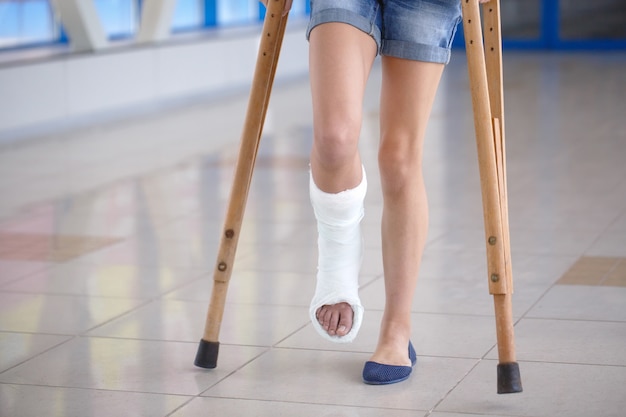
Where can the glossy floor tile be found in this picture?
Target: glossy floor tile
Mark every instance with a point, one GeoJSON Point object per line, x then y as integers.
{"type": "Point", "coordinates": [109, 236]}
{"type": "Point", "coordinates": [180, 320]}
{"type": "Point", "coordinates": [570, 341]}
{"type": "Point", "coordinates": [33, 401]}
{"type": "Point", "coordinates": [126, 281]}
{"type": "Point", "coordinates": [127, 365]}
{"type": "Point", "coordinates": [243, 408]}
{"type": "Point", "coordinates": [461, 336]}
{"type": "Point", "coordinates": [59, 314]}
{"type": "Point", "coordinates": [19, 347]}
{"type": "Point", "coordinates": [297, 375]}
{"type": "Point", "coordinates": [550, 389]}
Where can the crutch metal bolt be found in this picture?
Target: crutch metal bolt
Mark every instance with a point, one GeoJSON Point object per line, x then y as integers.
{"type": "Point", "coordinates": [485, 78]}
{"type": "Point", "coordinates": [265, 69]}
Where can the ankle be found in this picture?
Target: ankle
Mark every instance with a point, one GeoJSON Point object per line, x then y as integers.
{"type": "Point", "coordinates": [395, 329]}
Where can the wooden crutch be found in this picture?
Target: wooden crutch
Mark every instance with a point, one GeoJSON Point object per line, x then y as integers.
{"type": "Point", "coordinates": [265, 69]}
{"type": "Point", "coordinates": [485, 77]}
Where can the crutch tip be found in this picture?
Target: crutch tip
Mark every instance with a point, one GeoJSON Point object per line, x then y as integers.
{"type": "Point", "coordinates": [509, 380]}
{"type": "Point", "coordinates": [206, 357]}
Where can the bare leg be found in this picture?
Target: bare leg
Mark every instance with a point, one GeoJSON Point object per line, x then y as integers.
{"type": "Point", "coordinates": [341, 57]}
{"type": "Point", "coordinates": [407, 95]}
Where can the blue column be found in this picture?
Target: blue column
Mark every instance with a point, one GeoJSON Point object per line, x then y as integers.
{"type": "Point", "coordinates": [550, 23]}
{"type": "Point", "coordinates": [210, 13]}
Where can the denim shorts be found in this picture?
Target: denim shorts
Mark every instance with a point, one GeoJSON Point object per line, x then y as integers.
{"type": "Point", "coordinates": [420, 30]}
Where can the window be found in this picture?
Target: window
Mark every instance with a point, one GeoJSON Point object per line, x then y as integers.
{"type": "Point", "coordinates": [32, 22]}
{"type": "Point", "coordinates": [592, 20]}
{"type": "Point", "coordinates": [119, 17]}
{"type": "Point", "coordinates": [234, 12]}
{"type": "Point", "coordinates": [189, 14]}
{"type": "Point", "coordinates": [521, 19]}
{"type": "Point", "coordinates": [299, 8]}
{"type": "Point", "coordinates": [26, 22]}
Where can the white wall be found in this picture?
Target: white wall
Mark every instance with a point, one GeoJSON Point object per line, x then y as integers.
{"type": "Point", "coordinates": [68, 87]}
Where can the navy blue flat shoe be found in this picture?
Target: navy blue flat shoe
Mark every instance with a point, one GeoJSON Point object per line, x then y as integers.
{"type": "Point", "coordinates": [375, 373]}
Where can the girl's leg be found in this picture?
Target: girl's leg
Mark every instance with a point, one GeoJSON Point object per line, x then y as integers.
{"type": "Point", "coordinates": [407, 94]}
{"type": "Point", "coordinates": [340, 60]}
{"type": "Point", "coordinates": [341, 57]}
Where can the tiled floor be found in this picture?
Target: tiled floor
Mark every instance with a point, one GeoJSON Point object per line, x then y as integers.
{"type": "Point", "coordinates": [108, 235]}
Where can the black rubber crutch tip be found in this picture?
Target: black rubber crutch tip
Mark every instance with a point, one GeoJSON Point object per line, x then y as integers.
{"type": "Point", "coordinates": [206, 357]}
{"type": "Point", "coordinates": [509, 380]}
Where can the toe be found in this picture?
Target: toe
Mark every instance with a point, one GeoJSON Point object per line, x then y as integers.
{"type": "Point", "coordinates": [345, 322]}
{"type": "Point", "coordinates": [333, 323]}
{"type": "Point", "coordinates": [323, 316]}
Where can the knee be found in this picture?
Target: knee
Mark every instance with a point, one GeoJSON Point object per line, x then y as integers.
{"type": "Point", "coordinates": [400, 166]}
{"type": "Point", "coordinates": [336, 144]}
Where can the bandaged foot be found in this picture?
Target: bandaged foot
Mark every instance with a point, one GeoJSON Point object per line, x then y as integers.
{"type": "Point", "coordinates": [340, 248]}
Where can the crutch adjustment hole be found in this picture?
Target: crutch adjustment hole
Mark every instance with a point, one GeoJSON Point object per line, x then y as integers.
{"type": "Point", "coordinates": [492, 239]}
{"type": "Point", "coordinates": [230, 233]}
{"type": "Point", "coordinates": [495, 278]}
{"type": "Point", "coordinates": [222, 266]}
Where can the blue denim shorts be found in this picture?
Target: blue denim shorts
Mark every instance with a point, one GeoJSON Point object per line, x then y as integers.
{"type": "Point", "coordinates": [420, 30]}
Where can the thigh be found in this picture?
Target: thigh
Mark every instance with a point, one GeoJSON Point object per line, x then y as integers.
{"type": "Point", "coordinates": [340, 60]}
{"type": "Point", "coordinates": [344, 40]}
{"type": "Point", "coordinates": [407, 94]}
